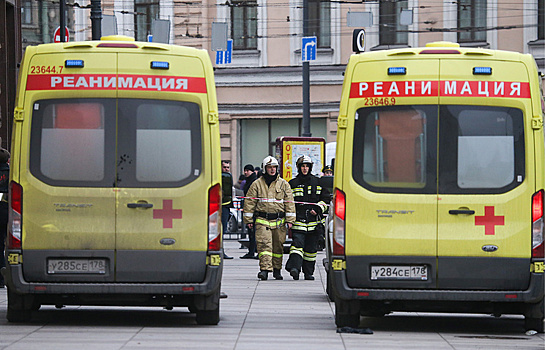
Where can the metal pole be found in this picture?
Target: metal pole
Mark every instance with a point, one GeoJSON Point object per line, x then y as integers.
{"type": "Point", "coordinates": [306, 77]}
{"type": "Point", "coordinates": [62, 11]}
{"type": "Point", "coordinates": [96, 19]}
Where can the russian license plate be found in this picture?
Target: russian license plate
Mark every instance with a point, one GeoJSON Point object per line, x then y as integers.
{"type": "Point", "coordinates": [401, 272]}
{"type": "Point", "coordinates": [95, 266]}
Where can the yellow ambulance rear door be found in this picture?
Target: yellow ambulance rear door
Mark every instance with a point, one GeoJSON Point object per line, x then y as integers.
{"type": "Point", "coordinates": [391, 198]}
{"type": "Point", "coordinates": [65, 166]}
{"type": "Point", "coordinates": [163, 167]}
{"type": "Point", "coordinates": [486, 174]}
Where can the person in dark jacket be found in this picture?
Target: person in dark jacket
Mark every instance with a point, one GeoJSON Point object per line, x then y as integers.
{"type": "Point", "coordinates": [310, 204]}
{"type": "Point", "coordinates": [227, 196]}
{"type": "Point", "coordinates": [4, 184]}
{"type": "Point", "coordinates": [250, 177]}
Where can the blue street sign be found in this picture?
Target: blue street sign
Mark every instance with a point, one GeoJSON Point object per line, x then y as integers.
{"type": "Point", "coordinates": [219, 57]}
{"type": "Point", "coordinates": [308, 48]}
{"type": "Point", "coordinates": [229, 51]}
{"type": "Point", "coordinates": [225, 56]}
{"type": "Point", "coordinates": [150, 38]}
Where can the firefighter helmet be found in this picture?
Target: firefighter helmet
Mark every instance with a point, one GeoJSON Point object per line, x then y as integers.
{"type": "Point", "coordinates": [269, 160]}
{"type": "Point", "coordinates": [304, 160]}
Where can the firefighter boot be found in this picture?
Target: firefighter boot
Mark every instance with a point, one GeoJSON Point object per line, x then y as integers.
{"type": "Point", "coordinates": [263, 275]}
{"type": "Point", "coordinates": [309, 277]}
{"type": "Point", "coordinates": [277, 275]}
{"type": "Point", "coordinates": [294, 273]}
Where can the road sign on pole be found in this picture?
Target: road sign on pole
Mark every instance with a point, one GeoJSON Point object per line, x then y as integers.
{"type": "Point", "coordinates": [308, 48]}
{"type": "Point", "coordinates": [229, 51]}
{"type": "Point", "coordinates": [224, 56]}
{"type": "Point", "coordinates": [57, 35]}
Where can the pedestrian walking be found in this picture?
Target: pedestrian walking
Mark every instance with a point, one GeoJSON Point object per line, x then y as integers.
{"type": "Point", "coordinates": [227, 196]}
{"type": "Point", "coordinates": [250, 177]}
{"type": "Point", "coordinates": [310, 203]}
{"type": "Point", "coordinates": [269, 202]}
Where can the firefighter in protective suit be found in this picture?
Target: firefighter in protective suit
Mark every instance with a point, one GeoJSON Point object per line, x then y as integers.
{"type": "Point", "coordinates": [309, 224]}
{"type": "Point", "coordinates": [269, 202]}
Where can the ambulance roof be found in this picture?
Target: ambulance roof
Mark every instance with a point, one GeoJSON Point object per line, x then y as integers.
{"type": "Point", "coordinates": [118, 43]}
{"type": "Point", "coordinates": [440, 49]}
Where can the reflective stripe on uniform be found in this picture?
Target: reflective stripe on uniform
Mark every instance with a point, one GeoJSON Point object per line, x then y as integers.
{"type": "Point", "coordinates": [280, 256]}
{"type": "Point", "coordinates": [265, 253]}
{"type": "Point", "coordinates": [322, 206]}
{"type": "Point", "coordinates": [305, 226]}
{"type": "Point", "coordinates": [290, 214]}
{"type": "Point", "coordinates": [250, 215]}
{"type": "Point", "coordinates": [271, 224]}
{"type": "Point", "coordinates": [309, 256]}
{"type": "Point", "coordinates": [295, 250]}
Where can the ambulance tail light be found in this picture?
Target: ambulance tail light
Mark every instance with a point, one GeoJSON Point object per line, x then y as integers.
{"type": "Point", "coordinates": [15, 216]}
{"type": "Point", "coordinates": [538, 247]}
{"type": "Point", "coordinates": [339, 202]}
{"type": "Point", "coordinates": [214, 216]}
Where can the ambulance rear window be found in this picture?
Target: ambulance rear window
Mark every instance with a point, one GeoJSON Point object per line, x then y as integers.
{"type": "Point", "coordinates": [481, 149]}
{"type": "Point", "coordinates": [68, 140]}
{"type": "Point", "coordinates": [450, 149]}
{"type": "Point", "coordinates": [116, 142]}
{"type": "Point", "coordinates": [392, 148]}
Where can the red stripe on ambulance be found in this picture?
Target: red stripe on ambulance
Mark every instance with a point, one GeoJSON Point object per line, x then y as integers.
{"type": "Point", "coordinates": [456, 88]}
{"type": "Point", "coordinates": [113, 82]}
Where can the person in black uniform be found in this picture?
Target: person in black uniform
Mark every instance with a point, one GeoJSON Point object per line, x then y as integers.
{"type": "Point", "coordinates": [309, 222]}
{"type": "Point", "coordinates": [4, 184]}
{"type": "Point", "coordinates": [250, 177]}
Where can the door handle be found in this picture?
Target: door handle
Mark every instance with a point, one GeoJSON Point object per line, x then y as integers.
{"type": "Point", "coordinates": [461, 211]}
{"type": "Point", "coordinates": [140, 205]}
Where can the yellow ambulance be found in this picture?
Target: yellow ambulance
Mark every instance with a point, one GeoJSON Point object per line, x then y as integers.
{"type": "Point", "coordinates": [115, 194]}
{"type": "Point", "coordinates": [439, 180]}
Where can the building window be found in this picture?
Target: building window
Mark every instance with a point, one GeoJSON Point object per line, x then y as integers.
{"type": "Point", "coordinates": [472, 21]}
{"type": "Point", "coordinates": [26, 12]}
{"type": "Point", "coordinates": [244, 24]}
{"type": "Point", "coordinates": [390, 31]}
{"type": "Point", "coordinates": [319, 21]}
{"type": "Point", "coordinates": [541, 20]}
{"type": "Point", "coordinates": [145, 12]}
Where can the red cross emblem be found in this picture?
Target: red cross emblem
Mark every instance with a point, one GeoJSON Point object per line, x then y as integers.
{"type": "Point", "coordinates": [489, 220]}
{"type": "Point", "coordinates": [167, 214]}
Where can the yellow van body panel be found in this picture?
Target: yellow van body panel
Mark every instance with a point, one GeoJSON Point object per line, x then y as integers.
{"type": "Point", "coordinates": [146, 225]}
{"type": "Point", "coordinates": [401, 222]}
{"type": "Point", "coordinates": [439, 177]}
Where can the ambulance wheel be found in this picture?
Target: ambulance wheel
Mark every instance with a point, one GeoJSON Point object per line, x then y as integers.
{"type": "Point", "coordinates": [19, 307]}
{"type": "Point", "coordinates": [208, 317]}
{"type": "Point", "coordinates": [347, 314]}
{"type": "Point", "coordinates": [534, 317]}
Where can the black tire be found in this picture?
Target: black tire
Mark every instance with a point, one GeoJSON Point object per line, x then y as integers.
{"type": "Point", "coordinates": [19, 307]}
{"type": "Point", "coordinates": [346, 315]}
{"type": "Point", "coordinates": [534, 317]}
{"type": "Point", "coordinates": [208, 317]}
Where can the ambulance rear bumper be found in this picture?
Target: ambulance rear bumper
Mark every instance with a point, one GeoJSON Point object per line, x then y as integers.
{"type": "Point", "coordinates": [343, 291]}
{"type": "Point", "coordinates": [14, 279]}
